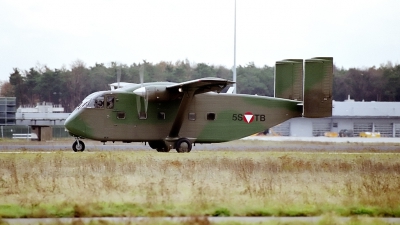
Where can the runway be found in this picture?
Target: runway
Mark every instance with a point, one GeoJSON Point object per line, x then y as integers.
{"type": "Point", "coordinates": [252, 143]}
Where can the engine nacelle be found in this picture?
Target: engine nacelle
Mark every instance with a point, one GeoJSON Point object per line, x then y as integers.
{"type": "Point", "coordinates": [154, 93]}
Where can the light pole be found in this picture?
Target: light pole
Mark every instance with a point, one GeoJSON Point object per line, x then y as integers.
{"type": "Point", "coordinates": [234, 54]}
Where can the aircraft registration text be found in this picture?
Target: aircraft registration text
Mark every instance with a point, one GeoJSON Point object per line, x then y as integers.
{"type": "Point", "coordinates": [248, 117]}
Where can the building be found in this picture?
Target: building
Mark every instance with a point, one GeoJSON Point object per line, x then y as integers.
{"type": "Point", "coordinates": [41, 122]}
{"type": "Point", "coordinates": [350, 118]}
{"type": "Point", "coordinates": [7, 111]}
{"type": "Point", "coordinates": [43, 114]}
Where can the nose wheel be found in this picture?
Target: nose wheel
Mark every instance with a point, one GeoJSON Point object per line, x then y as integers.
{"type": "Point", "coordinates": [78, 146]}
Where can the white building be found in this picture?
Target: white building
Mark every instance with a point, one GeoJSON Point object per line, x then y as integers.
{"type": "Point", "coordinates": [43, 114]}
{"type": "Point", "coordinates": [349, 116]}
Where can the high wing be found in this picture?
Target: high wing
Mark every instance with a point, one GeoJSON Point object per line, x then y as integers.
{"type": "Point", "coordinates": [200, 86]}
{"type": "Point", "coordinates": [161, 91]}
{"type": "Point", "coordinates": [117, 85]}
{"type": "Point", "coordinates": [185, 91]}
{"type": "Point", "coordinates": [189, 89]}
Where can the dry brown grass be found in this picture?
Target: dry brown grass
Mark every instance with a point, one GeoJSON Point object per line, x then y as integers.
{"type": "Point", "coordinates": [146, 183]}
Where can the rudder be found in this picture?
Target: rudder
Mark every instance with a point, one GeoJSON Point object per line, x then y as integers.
{"type": "Point", "coordinates": [318, 81]}
{"type": "Point", "coordinates": [289, 79]}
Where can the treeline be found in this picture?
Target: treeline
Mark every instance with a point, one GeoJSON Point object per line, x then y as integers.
{"type": "Point", "coordinates": [70, 86]}
{"type": "Point", "coordinates": [373, 84]}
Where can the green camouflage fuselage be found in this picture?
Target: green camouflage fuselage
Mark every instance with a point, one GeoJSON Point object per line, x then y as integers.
{"type": "Point", "coordinates": [209, 117]}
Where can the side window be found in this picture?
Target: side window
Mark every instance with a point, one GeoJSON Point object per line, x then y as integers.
{"type": "Point", "coordinates": [99, 102]}
{"type": "Point", "coordinates": [210, 116]}
{"type": "Point", "coordinates": [110, 102]}
{"type": "Point", "coordinates": [192, 116]}
{"type": "Point", "coordinates": [121, 115]}
{"type": "Point", "coordinates": [161, 115]}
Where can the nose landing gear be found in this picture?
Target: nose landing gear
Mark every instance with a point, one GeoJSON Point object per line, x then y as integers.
{"type": "Point", "coordinates": [78, 145]}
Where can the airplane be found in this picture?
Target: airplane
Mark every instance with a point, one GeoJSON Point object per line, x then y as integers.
{"type": "Point", "coordinates": [170, 115]}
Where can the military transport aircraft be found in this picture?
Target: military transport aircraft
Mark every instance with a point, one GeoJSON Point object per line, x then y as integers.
{"type": "Point", "coordinates": [177, 115]}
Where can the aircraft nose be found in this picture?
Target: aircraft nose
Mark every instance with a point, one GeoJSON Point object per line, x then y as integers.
{"type": "Point", "coordinates": [68, 123]}
{"type": "Point", "coordinates": [75, 125]}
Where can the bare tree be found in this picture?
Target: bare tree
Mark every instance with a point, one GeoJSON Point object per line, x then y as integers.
{"type": "Point", "coordinates": [76, 82]}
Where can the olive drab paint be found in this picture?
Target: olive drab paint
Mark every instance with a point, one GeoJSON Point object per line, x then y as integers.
{"type": "Point", "coordinates": [176, 115]}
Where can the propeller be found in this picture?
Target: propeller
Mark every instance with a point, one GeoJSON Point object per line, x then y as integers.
{"type": "Point", "coordinates": [141, 92]}
{"type": "Point", "coordinates": [141, 74]}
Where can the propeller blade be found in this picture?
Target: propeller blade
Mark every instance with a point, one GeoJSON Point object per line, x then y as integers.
{"type": "Point", "coordinates": [138, 104]}
{"type": "Point", "coordinates": [118, 76]}
{"type": "Point", "coordinates": [142, 92]}
{"type": "Point", "coordinates": [146, 101]}
{"type": "Point", "coordinates": [141, 74]}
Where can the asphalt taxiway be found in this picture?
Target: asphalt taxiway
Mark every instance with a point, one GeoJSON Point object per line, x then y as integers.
{"type": "Point", "coordinates": [253, 143]}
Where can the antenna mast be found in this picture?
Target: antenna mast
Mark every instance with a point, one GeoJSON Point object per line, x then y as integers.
{"type": "Point", "coordinates": [234, 54]}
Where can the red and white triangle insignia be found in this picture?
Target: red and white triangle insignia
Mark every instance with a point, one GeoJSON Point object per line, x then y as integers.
{"type": "Point", "coordinates": [248, 117]}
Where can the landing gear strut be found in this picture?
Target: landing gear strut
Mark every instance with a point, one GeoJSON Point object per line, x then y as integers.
{"type": "Point", "coordinates": [78, 145]}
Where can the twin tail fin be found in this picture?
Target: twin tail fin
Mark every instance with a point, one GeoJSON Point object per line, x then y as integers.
{"type": "Point", "coordinates": [309, 81]}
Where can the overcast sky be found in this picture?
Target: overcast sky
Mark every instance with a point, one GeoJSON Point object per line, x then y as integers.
{"type": "Point", "coordinates": [357, 33]}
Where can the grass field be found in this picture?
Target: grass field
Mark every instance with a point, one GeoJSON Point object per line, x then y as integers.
{"type": "Point", "coordinates": [204, 183]}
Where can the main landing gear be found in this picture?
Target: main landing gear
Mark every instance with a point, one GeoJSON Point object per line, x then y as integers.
{"type": "Point", "coordinates": [182, 145]}
{"type": "Point", "coordinates": [160, 146]}
{"type": "Point", "coordinates": [78, 145]}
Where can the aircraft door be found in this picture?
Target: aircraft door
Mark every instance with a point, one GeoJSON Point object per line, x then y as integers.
{"type": "Point", "coordinates": [97, 118]}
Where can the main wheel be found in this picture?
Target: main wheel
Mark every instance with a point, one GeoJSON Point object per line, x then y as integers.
{"type": "Point", "coordinates": [160, 146]}
{"type": "Point", "coordinates": [78, 146]}
{"type": "Point", "coordinates": [183, 145]}
{"type": "Point", "coordinates": [163, 149]}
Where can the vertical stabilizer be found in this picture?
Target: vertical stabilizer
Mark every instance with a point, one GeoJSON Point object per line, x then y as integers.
{"type": "Point", "coordinates": [289, 79]}
{"type": "Point", "coordinates": [318, 79]}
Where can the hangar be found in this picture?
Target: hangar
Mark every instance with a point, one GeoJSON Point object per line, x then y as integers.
{"type": "Point", "coordinates": [348, 117]}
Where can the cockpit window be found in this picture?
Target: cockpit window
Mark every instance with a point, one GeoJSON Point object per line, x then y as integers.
{"type": "Point", "coordinates": [99, 102]}
{"type": "Point", "coordinates": [110, 102]}
{"type": "Point", "coordinates": [83, 104]}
